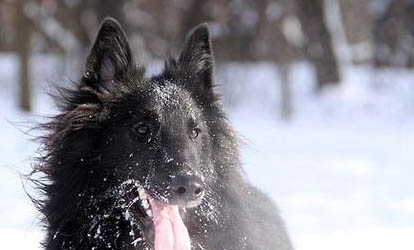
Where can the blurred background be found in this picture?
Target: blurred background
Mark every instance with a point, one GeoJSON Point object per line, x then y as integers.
{"type": "Point", "coordinates": [321, 92]}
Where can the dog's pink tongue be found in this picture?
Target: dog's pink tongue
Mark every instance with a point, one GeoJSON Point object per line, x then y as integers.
{"type": "Point", "coordinates": [170, 231]}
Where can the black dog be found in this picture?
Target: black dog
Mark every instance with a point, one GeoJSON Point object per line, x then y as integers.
{"type": "Point", "coordinates": [149, 163]}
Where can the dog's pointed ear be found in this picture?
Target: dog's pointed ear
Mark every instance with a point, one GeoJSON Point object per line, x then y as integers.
{"type": "Point", "coordinates": [110, 58]}
{"type": "Point", "coordinates": [197, 57]}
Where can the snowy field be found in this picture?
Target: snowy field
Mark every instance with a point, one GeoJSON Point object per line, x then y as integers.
{"type": "Point", "coordinates": [341, 170]}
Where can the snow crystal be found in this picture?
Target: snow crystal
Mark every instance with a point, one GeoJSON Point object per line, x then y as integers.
{"type": "Point", "coordinates": [166, 94]}
{"type": "Point", "coordinates": [136, 241]}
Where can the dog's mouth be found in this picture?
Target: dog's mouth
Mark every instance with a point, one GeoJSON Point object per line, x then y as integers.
{"type": "Point", "coordinates": [164, 219]}
{"type": "Point", "coordinates": [139, 203]}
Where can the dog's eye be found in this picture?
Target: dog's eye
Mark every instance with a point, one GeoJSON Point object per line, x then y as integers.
{"type": "Point", "coordinates": [194, 133]}
{"type": "Point", "coordinates": [142, 129]}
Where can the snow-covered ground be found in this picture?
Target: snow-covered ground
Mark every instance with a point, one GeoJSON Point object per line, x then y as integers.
{"type": "Point", "coordinates": [340, 170]}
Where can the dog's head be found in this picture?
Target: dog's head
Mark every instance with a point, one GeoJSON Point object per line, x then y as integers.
{"type": "Point", "coordinates": [149, 139]}
{"type": "Point", "coordinates": [155, 129]}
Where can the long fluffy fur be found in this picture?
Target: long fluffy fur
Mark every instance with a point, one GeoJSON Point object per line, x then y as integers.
{"type": "Point", "coordinates": [78, 192]}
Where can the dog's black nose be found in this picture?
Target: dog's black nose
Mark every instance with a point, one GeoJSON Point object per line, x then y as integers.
{"type": "Point", "coordinates": [187, 187]}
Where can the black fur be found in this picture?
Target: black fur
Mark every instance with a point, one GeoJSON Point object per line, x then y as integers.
{"type": "Point", "coordinates": [93, 157]}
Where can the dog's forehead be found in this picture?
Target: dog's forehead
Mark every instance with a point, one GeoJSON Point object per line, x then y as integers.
{"type": "Point", "coordinates": [168, 97]}
{"type": "Point", "coordinates": [166, 93]}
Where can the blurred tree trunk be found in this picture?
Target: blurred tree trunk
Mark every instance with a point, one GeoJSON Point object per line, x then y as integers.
{"type": "Point", "coordinates": [388, 27]}
{"type": "Point", "coordinates": [357, 20]}
{"type": "Point", "coordinates": [318, 48]}
{"type": "Point", "coordinates": [286, 107]}
{"type": "Point", "coordinates": [72, 19]}
{"type": "Point", "coordinates": [22, 40]}
{"type": "Point", "coordinates": [394, 34]}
